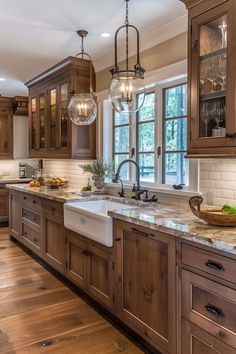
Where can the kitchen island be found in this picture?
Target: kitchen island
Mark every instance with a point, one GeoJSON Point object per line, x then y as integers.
{"type": "Point", "coordinates": [167, 275]}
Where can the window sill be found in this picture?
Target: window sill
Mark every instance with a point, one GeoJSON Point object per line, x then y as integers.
{"type": "Point", "coordinates": [165, 191]}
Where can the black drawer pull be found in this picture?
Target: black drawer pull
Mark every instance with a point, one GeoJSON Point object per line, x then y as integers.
{"type": "Point", "coordinates": [86, 253]}
{"type": "Point", "coordinates": [34, 201]}
{"type": "Point", "coordinates": [142, 233]}
{"type": "Point", "coordinates": [35, 240]}
{"type": "Point", "coordinates": [53, 209]}
{"type": "Point", "coordinates": [25, 198]}
{"type": "Point", "coordinates": [214, 310]}
{"type": "Point", "coordinates": [25, 233]}
{"type": "Point", "coordinates": [214, 265]}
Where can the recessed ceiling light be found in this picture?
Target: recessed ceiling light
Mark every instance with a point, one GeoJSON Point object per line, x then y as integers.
{"type": "Point", "coordinates": [105, 34]}
{"type": "Point", "coordinates": [2, 79]}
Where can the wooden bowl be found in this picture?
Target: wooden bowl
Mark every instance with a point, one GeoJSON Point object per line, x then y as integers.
{"type": "Point", "coordinates": [211, 216]}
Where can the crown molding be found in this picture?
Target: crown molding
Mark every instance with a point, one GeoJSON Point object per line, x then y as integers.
{"type": "Point", "coordinates": [191, 3]}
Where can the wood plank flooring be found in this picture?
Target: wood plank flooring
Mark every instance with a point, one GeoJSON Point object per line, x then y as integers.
{"type": "Point", "coordinates": [39, 314]}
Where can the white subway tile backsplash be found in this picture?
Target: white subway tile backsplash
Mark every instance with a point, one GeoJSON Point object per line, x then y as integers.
{"type": "Point", "coordinates": [218, 177]}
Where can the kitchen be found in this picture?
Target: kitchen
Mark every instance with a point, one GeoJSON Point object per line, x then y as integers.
{"type": "Point", "coordinates": [118, 177]}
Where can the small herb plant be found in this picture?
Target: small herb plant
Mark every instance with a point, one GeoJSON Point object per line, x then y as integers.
{"type": "Point", "coordinates": [99, 168]}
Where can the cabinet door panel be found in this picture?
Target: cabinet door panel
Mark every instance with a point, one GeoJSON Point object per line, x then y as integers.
{"type": "Point", "coordinates": [15, 214]}
{"type": "Point", "coordinates": [76, 259]}
{"type": "Point", "coordinates": [211, 78]}
{"type": "Point", "coordinates": [100, 275]}
{"type": "Point", "coordinates": [145, 281]}
{"type": "Point", "coordinates": [54, 242]}
{"type": "Point", "coordinates": [6, 133]}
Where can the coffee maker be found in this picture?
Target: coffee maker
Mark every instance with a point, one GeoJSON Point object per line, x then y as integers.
{"type": "Point", "coordinates": [22, 170]}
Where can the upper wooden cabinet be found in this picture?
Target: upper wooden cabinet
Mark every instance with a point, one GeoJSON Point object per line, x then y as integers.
{"type": "Point", "coordinates": [6, 128]}
{"type": "Point", "coordinates": [52, 134]}
{"type": "Point", "coordinates": [211, 77]}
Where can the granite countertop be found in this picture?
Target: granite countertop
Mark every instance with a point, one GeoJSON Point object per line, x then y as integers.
{"type": "Point", "coordinates": [60, 195]}
{"type": "Point", "coordinates": [7, 180]}
{"type": "Point", "coordinates": [160, 217]}
{"type": "Point", "coordinates": [180, 223]}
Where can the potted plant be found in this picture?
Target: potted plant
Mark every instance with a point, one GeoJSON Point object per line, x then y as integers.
{"type": "Point", "coordinates": [99, 170]}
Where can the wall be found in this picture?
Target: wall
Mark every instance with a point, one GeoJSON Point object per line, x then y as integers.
{"type": "Point", "coordinates": [69, 169]}
{"type": "Point", "coordinates": [10, 168]}
{"type": "Point", "coordinates": [163, 54]}
{"type": "Point", "coordinates": [218, 181]}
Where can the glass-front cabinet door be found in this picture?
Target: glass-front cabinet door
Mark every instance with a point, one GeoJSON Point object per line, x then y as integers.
{"type": "Point", "coordinates": [42, 122]}
{"type": "Point", "coordinates": [33, 130]}
{"type": "Point", "coordinates": [212, 109]}
{"type": "Point", "coordinates": [63, 115]}
{"type": "Point", "coordinates": [53, 121]}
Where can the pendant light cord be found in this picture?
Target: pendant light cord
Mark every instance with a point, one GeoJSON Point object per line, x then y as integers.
{"type": "Point", "coordinates": [127, 34]}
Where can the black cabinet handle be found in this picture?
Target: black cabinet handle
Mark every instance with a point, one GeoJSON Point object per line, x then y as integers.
{"type": "Point", "coordinates": [214, 265]}
{"type": "Point", "coordinates": [35, 240]}
{"type": "Point", "coordinates": [141, 233]}
{"type": "Point", "coordinates": [53, 209]}
{"type": "Point", "coordinates": [86, 253]}
{"type": "Point", "coordinates": [214, 310]}
{"type": "Point", "coordinates": [230, 136]}
{"type": "Point", "coordinates": [25, 233]}
{"type": "Point", "coordinates": [25, 198]}
{"type": "Point", "coordinates": [34, 201]}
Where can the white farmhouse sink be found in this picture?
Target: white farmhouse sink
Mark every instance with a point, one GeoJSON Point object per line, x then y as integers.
{"type": "Point", "coordinates": [90, 219]}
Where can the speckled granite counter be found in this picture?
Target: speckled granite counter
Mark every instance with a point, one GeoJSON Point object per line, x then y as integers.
{"type": "Point", "coordinates": [7, 180]}
{"type": "Point", "coordinates": [60, 195]}
{"type": "Point", "coordinates": [177, 222]}
{"type": "Point", "coordinates": [180, 223]}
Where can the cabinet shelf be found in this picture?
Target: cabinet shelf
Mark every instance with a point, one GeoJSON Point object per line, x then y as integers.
{"type": "Point", "coordinates": [213, 54]}
{"type": "Point", "coordinates": [212, 95]}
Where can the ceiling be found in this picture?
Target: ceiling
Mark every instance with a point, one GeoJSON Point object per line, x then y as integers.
{"type": "Point", "coordinates": [37, 34]}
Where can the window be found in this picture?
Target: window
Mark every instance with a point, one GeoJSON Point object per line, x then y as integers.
{"type": "Point", "coordinates": [157, 139]}
{"type": "Point", "coordinates": [121, 144]}
{"type": "Point", "coordinates": [146, 139]}
{"type": "Point", "coordinates": [175, 166]}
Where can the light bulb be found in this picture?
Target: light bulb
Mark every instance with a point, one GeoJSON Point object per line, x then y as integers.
{"type": "Point", "coordinates": [82, 109]}
{"type": "Point", "coordinates": [123, 92]}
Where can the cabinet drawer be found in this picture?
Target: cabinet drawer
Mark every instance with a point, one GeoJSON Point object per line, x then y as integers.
{"type": "Point", "coordinates": [31, 235]}
{"type": "Point", "coordinates": [197, 341]}
{"type": "Point", "coordinates": [220, 266]}
{"type": "Point", "coordinates": [31, 216]}
{"type": "Point", "coordinates": [31, 201]}
{"type": "Point", "coordinates": [209, 305]}
{"type": "Point", "coordinates": [55, 208]}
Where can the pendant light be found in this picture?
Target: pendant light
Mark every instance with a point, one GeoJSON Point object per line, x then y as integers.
{"type": "Point", "coordinates": [82, 108]}
{"type": "Point", "coordinates": [127, 82]}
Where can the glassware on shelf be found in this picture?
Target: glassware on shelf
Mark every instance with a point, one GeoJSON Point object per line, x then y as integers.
{"type": "Point", "coordinates": [223, 29]}
{"type": "Point", "coordinates": [222, 70]}
{"type": "Point", "coordinates": [218, 114]}
{"type": "Point", "coordinates": [206, 116]}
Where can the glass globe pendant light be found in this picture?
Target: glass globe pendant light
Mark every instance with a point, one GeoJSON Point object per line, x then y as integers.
{"type": "Point", "coordinates": [82, 108]}
{"type": "Point", "coordinates": [126, 83]}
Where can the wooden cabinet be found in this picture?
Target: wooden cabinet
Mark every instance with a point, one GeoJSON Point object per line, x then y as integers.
{"type": "Point", "coordinates": [4, 198]}
{"type": "Point", "coordinates": [54, 244]}
{"type": "Point", "coordinates": [6, 131]}
{"type": "Point", "coordinates": [197, 341]}
{"type": "Point", "coordinates": [211, 78]}
{"type": "Point", "coordinates": [208, 298]}
{"type": "Point", "coordinates": [15, 216]}
{"type": "Point", "coordinates": [90, 265]}
{"type": "Point", "coordinates": [145, 283]}
{"type": "Point", "coordinates": [52, 134]}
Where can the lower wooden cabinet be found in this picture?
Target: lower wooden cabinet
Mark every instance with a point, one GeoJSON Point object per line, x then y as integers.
{"type": "Point", "coordinates": [90, 265]}
{"type": "Point", "coordinates": [145, 283]}
{"type": "Point", "coordinates": [197, 341]}
{"type": "Point", "coordinates": [208, 301]}
{"type": "Point", "coordinates": [3, 203]}
{"type": "Point", "coordinates": [54, 249]}
{"type": "Point", "coordinates": [15, 214]}
{"type": "Point", "coordinates": [76, 260]}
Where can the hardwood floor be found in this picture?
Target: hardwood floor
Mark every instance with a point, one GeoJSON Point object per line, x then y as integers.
{"type": "Point", "coordinates": [39, 314]}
